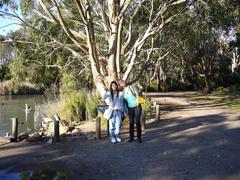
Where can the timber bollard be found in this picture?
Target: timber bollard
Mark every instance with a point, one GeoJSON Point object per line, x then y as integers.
{"type": "Point", "coordinates": [143, 121]}
{"type": "Point", "coordinates": [56, 128]}
{"type": "Point", "coordinates": [108, 133]}
{"type": "Point", "coordinates": [100, 110]}
{"type": "Point", "coordinates": [98, 127]}
{"type": "Point", "coordinates": [157, 112]}
{"type": "Point", "coordinates": [14, 129]}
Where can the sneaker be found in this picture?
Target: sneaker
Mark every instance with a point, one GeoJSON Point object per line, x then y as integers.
{"type": "Point", "coordinates": [113, 140]}
{"type": "Point", "coordinates": [139, 140]}
{"type": "Point", "coordinates": [118, 139]}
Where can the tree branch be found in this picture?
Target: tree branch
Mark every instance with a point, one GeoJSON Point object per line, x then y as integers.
{"type": "Point", "coordinates": [66, 29]}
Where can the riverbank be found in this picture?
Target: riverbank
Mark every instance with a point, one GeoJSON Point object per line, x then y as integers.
{"type": "Point", "coordinates": [18, 88]}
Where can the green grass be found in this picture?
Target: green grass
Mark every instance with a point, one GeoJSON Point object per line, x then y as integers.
{"type": "Point", "coordinates": [224, 99]}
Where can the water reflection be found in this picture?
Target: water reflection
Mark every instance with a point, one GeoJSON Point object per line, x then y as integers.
{"type": "Point", "coordinates": [12, 176]}
{"type": "Point", "coordinates": [22, 107]}
{"type": "Point", "coordinates": [40, 174]}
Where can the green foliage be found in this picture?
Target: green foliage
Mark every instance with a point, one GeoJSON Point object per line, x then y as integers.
{"type": "Point", "coordinates": [153, 87]}
{"type": "Point", "coordinates": [42, 51]}
{"type": "Point", "coordinates": [146, 106]}
{"type": "Point", "coordinates": [14, 86]}
{"type": "Point", "coordinates": [4, 72]}
{"type": "Point", "coordinates": [221, 89]}
{"type": "Point", "coordinates": [17, 69]}
{"type": "Point", "coordinates": [91, 105]}
{"type": "Point", "coordinates": [26, 6]}
{"type": "Point", "coordinates": [75, 106]}
{"type": "Point", "coordinates": [77, 103]}
{"type": "Point", "coordinates": [68, 84]}
{"type": "Point", "coordinates": [178, 85]}
{"type": "Point", "coordinates": [74, 103]}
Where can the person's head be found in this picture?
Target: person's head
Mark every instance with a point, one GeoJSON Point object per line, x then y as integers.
{"type": "Point", "coordinates": [122, 83]}
{"type": "Point", "coordinates": [113, 88]}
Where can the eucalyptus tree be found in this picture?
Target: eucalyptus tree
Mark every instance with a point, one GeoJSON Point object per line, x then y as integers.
{"type": "Point", "coordinates": [109, 35]}
{"type": "Point", "coordinates": [209, 21]}
{"type": "Point", "coordinates": [197, 59]}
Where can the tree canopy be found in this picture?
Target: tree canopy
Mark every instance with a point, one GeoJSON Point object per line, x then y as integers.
{"type": "Point", "coordinates": [103, 40]}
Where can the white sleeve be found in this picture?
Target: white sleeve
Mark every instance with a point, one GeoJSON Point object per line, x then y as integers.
{"type": "Point", "coordinates": [103, 93]}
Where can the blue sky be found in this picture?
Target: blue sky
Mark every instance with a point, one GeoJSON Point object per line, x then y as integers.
{"type": "Point", "coordinates": [7, 25]}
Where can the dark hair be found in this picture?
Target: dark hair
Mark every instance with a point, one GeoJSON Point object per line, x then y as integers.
{"type": "Point", "coordinates": [111, 90]}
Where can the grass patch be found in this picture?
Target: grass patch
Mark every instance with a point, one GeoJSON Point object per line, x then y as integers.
{"type": "Point", "coordinates": [225, 99]}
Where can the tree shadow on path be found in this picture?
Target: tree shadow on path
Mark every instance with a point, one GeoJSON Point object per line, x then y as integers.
{"type": "Point", "coordinates": [202, 147]}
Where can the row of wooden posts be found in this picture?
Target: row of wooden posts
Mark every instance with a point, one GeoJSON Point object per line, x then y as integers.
{"type": "Point", "coordinates": [14, 135]}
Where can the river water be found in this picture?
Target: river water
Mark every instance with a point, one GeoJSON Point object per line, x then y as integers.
{"type": "Point", "coordinates": [15, 106]}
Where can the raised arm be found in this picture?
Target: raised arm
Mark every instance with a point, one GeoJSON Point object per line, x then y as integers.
{"type": "Point", "coordinates": [103, 93]}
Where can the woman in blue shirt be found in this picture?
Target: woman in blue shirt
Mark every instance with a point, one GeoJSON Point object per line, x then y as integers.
{"type": "Point", "coordinates": [130, 94]}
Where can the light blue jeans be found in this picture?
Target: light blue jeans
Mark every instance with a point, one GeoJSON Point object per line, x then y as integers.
{"type": "Point", "coordinates": [115, 123]}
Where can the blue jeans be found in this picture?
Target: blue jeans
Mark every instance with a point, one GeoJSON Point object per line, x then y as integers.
{"type": "Point", "coordinates": [115, 123]}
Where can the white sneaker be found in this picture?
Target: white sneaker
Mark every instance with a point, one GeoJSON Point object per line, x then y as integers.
{"type": "Point", "coordinates": [113, 140]}
{"type": "Point", "coordinates": [118, 139]}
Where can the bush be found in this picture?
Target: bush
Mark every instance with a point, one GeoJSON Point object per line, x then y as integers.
{"type": "Point", "coordinates": [77, 103]}
{"type": "Point", "coordinates": [146, 106]}
{"type": "Point", "coordinates": [91, 105]}
{"type": "Point", "coordinates": [222, 89]}
{"type": "Point", "coordinates": [153, 87]}
{"type": "Point", "coordinates": [68, 84]}
{"type": "Point", "coordinates": [75, 106]}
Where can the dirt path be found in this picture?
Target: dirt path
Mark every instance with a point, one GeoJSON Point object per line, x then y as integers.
{"type": "Point", "coordinates": [192, 141]}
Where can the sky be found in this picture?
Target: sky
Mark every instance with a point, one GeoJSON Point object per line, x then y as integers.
{"type": "Point", "coordinates": [7, 25]}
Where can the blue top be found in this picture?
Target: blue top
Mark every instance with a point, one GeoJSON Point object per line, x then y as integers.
{"type": "Point", "coordinates": [130, 97]}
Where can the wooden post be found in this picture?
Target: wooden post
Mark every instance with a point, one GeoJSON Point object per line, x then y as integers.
{"type": "Point", "coordinates": [98, 127]}
{"type": "Point", "coordinates": [108, 134]}
{"type": "Point", "coordinates": [14, 129]}
{"type": "Point", "coordinates": [143, 121]}
{"type": "Point", "coordinates": [157, 112]}
{"type": "Point", "coordinates": [101, 109]}
{"type": "Point", "coordinates": [56, 128]}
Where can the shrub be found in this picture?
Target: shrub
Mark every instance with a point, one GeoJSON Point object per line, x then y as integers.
{"type": "Point", "coordinates": [222, 89]}
{"type": "Point", "coordinates": [146, 107]}
{"type": "Point", "coordinates": [91, 105]}
{"type": "Point", "coordinates": [70, 108]}
{"type": "Point", "coordinates": [153, 87]}
{"type": "Point", "coordinates": [77, 104]}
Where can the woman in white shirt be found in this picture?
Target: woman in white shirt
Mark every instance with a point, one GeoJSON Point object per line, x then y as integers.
{"type": "Point", "coordinates": [114, 99]}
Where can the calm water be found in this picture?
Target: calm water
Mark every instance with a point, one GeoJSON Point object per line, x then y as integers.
{"type": "Point", "coordinates": [14, 106]}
